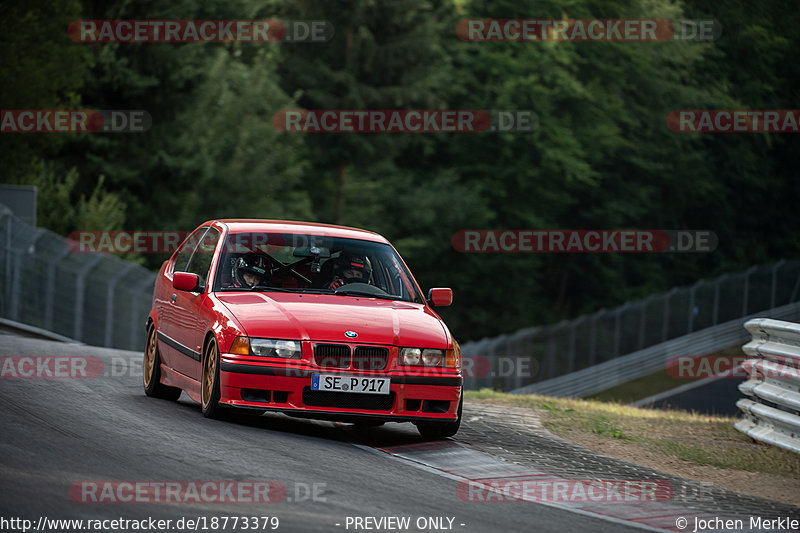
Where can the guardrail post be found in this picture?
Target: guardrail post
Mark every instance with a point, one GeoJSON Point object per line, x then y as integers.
{"type": "Point", "coordinates": [665, 325]}
{"type": "Point", "coordinates": [793, 298]}
{"type": "Point", "coordinates": [16, 274]}
{"type": "Point", "coordinates": [16, 285]}
{"type": "Point", "coordinates": [746, 290]}
{"type": "Point", "coordinates": [691, 305]}
{"type": "Point", "coordinates": [8, 274]}
{"type": "Point", "coordinates": [112, 287]}
{"type": "Point", "coordinates": [643, 322]}
{"type": "Point", "coordinates": [717, 283]}
{"type": "Point", "coordinates": [531, 361]}
{"type": "Point", "coordinates": [571, 356]}
{"type": "Point", "coordinates": [774, 287]}
{"type": "Point", "coordinates": [551, 353]}
{"type": "Point", "coordinates": [618, 313]}
{"type": "Point", "coordinates": [517, 365]}
{"type": "Point", "coordinates": [593, 337]}
{"type": "Point", "coordinates": [50, 293]}
{"type": "Point", "coordinates": [16, 278]}
{"type": "Point", "coordinates": [80, 290]}
{"type": "Point", "coordinates": [499, 345]}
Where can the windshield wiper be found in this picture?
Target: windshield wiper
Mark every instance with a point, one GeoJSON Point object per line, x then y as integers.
{"type": "Point", "coordinates": [255, 288]}
{"type": "Point", "coordinates": [368, 294]}
{"type": "Point", "coordinates": [312, 290]}
{"type": "Point", "coordinates": [302, 290]}
{"type": "Point", "coordinates": [267, 288]}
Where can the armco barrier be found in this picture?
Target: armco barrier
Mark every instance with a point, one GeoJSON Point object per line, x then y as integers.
{"type": "Point", "coordinates": [771, 414]}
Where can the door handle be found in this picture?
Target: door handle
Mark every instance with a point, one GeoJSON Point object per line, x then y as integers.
{"type": "Point", "coordinates": [173, 297]}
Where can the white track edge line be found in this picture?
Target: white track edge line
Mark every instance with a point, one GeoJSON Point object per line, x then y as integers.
{"type": "Point", "coordinates": [428, 468]}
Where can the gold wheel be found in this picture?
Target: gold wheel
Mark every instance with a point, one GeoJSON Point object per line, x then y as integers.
{"type": "Point", "coordinates": [209, 372]}
{"type": "Point", "coordinates": [151, 370]}
{"type": "Point", "coordinates": [149, 357]}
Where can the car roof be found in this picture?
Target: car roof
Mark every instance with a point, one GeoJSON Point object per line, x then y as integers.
{"type": "Point", "coordinates": [248, 225]}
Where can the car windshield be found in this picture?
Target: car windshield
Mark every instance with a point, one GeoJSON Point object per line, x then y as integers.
{"type": "Point", "coordinates": [280, 262]}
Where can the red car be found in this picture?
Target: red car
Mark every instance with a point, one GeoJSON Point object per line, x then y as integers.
{"type": "Point", "coordinates": [313, 320]}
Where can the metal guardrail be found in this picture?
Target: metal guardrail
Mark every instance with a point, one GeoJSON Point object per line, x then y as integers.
{"type": "Point", "coordinates": [93, 298]}
{"type": "Point", "coordinates": [660, 322]}
{"type": "Point", "coordinates": [628, 367]}
{"type": "Point", "coordinates": [771, 413]}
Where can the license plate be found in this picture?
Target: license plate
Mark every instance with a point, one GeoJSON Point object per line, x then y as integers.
{"type": "Point", "coordinates": [347, 383]}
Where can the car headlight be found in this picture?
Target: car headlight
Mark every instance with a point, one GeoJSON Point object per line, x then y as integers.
{"type": "Point", "coordinates": [453, 356]}
{"type": "Point", "coordinates": [422, 357]}
{"type": "Point", "coordinates": [276, 348]}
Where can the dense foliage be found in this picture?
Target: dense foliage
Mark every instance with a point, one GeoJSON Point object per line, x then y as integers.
{"type": "Point", "coordinates": [601, 155]}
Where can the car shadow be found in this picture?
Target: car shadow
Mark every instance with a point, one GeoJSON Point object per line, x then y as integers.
{"type": "Point", "coordinates": [390, 434]}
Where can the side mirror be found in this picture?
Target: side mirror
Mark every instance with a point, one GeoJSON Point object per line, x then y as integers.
{"type": "Point", "coordinates": [440, 297]}
{"type": "Point", "coordinates": [185, 281]}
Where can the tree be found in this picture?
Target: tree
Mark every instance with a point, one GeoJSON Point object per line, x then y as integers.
{"type": "Point", "coordinates": [383, 55]}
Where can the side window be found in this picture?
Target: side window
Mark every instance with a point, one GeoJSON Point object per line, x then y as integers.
{"type": "Point", "coordinates": [187, 249]}
{"type": "Point", "coordinates": [200, 262]}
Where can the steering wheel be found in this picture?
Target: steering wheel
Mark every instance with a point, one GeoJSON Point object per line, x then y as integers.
{"type": "Point", "coordinates": [366, 288]}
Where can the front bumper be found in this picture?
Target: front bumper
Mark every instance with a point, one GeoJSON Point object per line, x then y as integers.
{"type": "Point", "coordinates": [287, 388]}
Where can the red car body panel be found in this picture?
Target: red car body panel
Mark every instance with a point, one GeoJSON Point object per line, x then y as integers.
{"type": "Point", "coordinates": [324, 317]}
{"type": "Point", "coordinates": [187, 321]}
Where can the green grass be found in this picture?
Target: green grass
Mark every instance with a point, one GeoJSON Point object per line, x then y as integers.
{"type": "Point", "coordinates": [707, 440]}
{"type": "Point", "coordinates": [654, 383]}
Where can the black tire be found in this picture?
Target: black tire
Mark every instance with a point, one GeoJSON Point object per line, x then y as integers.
{"type": "Point", "coordinates": [441, 430]}
{"type": "Point", "coordinates": [151, 370]}
{"type": "Point", "coordinates": [209, 382]}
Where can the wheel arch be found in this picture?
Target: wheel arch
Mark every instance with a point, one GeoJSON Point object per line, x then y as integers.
{"type": "Point", "coordinates": [210, 335]}
{"type": "Point", "coordinates": [151, 320]}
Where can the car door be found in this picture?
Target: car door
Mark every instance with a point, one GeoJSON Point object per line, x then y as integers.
{"type": "Point", "coordinates": [191, 317]}
{"type": "Point", "coordinates": [168, 321]}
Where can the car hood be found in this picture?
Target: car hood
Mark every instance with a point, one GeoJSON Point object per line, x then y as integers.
{"type": "Point", "coordinates": [324, 317]}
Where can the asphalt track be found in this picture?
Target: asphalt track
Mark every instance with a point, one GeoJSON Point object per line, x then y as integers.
{"type": "Point", "coordinates": [58, 432]}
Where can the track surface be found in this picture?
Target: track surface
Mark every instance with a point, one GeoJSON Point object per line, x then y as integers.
{"type": "Point", "coordinates": [56, 432]}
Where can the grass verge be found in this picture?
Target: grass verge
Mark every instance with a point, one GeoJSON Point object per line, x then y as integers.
{"type": "Point", "coordinates": [656, 382]}
{"type": "Point", "coordinates": [704, 440]}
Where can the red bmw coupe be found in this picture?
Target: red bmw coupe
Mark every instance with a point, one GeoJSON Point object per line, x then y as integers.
{"type": "Point", "coordinates": [313, 320]}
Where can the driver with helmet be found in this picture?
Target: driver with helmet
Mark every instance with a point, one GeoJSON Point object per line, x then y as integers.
{"type": "Point", "coordinates": [250, 270]}
{"type": "Point", "coordinates": [350, 268]}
